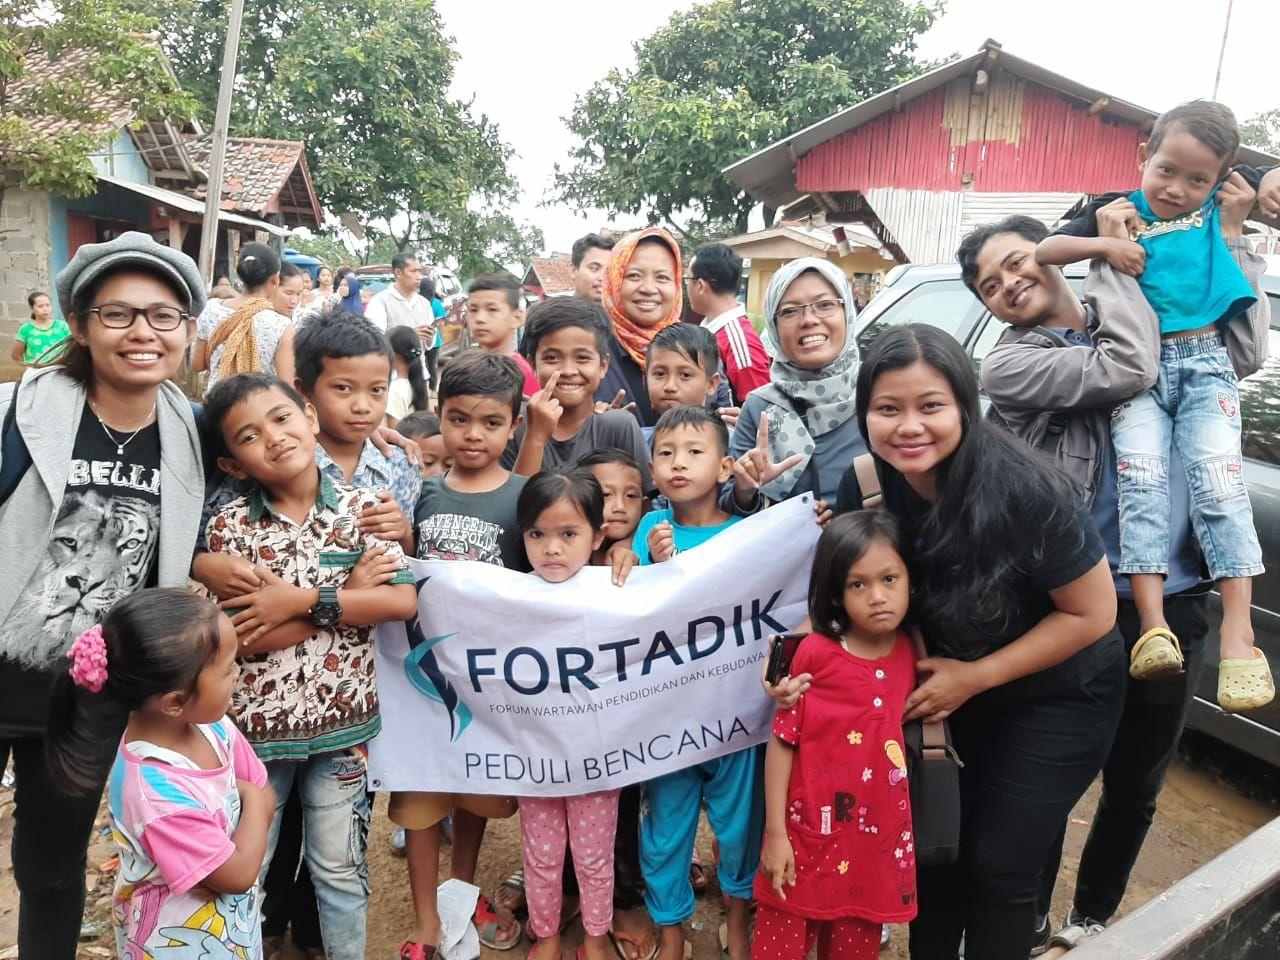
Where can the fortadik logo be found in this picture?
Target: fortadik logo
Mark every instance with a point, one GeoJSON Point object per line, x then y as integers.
{"type": "Point", "coordinates": [427, 678]}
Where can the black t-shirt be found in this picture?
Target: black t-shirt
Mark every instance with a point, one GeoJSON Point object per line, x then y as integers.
{"type": "Point", "coordinates": [451, 525]}
{"type": "Point", "coordinates": [1085, 223]}
{"type": "Point", "coordinates": [1058, 549]}
{"type": "Point", "coordinates": [625, 374]}
{"type": "Point", "coordinates": [102, 548]}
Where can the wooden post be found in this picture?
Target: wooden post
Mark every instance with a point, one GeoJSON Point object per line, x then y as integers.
{"type": "Point", "coordinates": [222, 117]}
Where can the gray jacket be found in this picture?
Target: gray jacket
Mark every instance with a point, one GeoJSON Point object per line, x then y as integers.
{"type": "Point", "coordinates": [1061, 401]}
{"type": "Point", "coordinates": [50, 405]}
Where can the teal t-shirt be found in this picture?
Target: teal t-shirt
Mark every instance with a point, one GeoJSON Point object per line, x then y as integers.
{"type": "Point", "coordinates": [686, 538]}
{"type": "Point", "coordinates": [1191, 279]}
{"type": "Point", "coordinates": [38, 342]}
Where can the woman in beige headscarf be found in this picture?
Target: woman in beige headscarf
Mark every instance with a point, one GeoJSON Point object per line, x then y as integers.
{"type": "Point", "coordinates": [245, 335]}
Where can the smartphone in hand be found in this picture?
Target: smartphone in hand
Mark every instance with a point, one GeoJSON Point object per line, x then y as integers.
{"type": "Point", "coordinates": [782, 648]}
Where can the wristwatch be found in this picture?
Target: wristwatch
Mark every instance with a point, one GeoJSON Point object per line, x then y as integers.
{"type": "Point", "coordinates": [327, 611]}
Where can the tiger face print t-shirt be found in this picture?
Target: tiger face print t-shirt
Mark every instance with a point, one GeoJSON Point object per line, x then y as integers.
{"type": "Point", "coordinates": [101, 549]}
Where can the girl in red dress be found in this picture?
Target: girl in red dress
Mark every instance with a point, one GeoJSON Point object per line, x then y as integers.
{"type": "Point", "coordinates": [838, 859]}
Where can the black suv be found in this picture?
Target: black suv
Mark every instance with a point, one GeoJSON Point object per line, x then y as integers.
{"type": "Point", "coordinates": [936, 295]}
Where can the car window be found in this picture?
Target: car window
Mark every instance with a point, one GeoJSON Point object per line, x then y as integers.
{"type": "Point", "coordinates": [985, 340]}
{"type": "Point", "coordinates": [1260, 404]}
{"type": "Point", "coordinates": [946, 304]}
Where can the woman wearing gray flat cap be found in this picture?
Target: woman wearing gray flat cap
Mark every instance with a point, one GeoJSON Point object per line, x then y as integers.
{"type": "Point", "coordinates": [100, 494]}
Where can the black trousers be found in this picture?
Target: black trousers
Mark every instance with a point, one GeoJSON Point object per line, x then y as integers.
{"type": "Point", "coordinates": [50, 843]}
{"type": "Point", "coordinates": [433, 368]}
{"type": "Point", "coordinates": [1145, 744]}
{"type": "Point", "coordinates": [1030, 751]}
{"type": "Point", "coordinates": [288, 898]}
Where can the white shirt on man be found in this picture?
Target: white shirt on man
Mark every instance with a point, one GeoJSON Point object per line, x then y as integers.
{"type": "Point", "coordinates": [391, 308]}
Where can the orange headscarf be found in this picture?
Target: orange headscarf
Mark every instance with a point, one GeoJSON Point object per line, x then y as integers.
{"type": "Point", "coordinates": [634, 337]}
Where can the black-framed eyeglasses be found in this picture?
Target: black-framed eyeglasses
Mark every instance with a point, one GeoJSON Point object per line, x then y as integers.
{"type": "Point", "coordinates": [120, 316]}
{"type": "Point", "coordinates": [823, 309]}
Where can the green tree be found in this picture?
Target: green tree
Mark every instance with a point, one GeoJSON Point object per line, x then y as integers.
{"type": "Point", "coordinates": [1263, 132]}
{"type": "Point", "coordinates": [115, 71]}
{"type": "Point", "coordinates": [719, 82]}
{"type": "Point", "coordinates": [365, 86]}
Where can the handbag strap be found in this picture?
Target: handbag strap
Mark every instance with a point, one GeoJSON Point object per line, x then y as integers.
{"type": "Point", "coordinates": [864, 468]}
{"type": "Point", "coordinates": [934, 744]}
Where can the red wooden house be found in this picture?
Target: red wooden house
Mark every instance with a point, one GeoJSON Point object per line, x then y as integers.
{"type": "Point", "coordinates": [970, 142]}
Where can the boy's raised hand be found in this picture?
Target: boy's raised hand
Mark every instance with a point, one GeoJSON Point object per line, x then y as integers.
{"type": "Point", "coordinates": [662, 542]}
{"type": "Point", "coordinates": [1235, 201]}
{"type": "Point", "coordinates": [754, 469]}
{"type": "Point", "coordinates": [1118, 221]}
{"type": "Point", "coordinates": [543, 410]}
{"type": "Point", "coordinates": [618, 404]}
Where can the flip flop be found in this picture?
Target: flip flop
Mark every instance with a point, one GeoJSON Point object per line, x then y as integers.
{"type": "Point", "coordinates": [487, 926]}
{"type": "Point", "coordinates": [645, 948]}
{"type": "Point", "coordinates": [514, 882]}
{"type": "Point", "coordinates": [1156, 656]}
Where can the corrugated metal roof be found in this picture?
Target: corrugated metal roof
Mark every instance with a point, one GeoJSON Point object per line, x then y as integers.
{"type": "Point", "coordinates": [925, 223]}
{"type": "Point", "coordinates": [769, 174]}
{"type": "Point", "coordinates": [1048, 208]}
{"type": "Point", "coordinates": [189, 204]}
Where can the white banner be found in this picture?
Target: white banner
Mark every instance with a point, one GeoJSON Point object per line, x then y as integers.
{"type": "Point", "coordinates": [506, 684]}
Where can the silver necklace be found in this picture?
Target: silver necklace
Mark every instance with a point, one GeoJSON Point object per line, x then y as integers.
{"type": "Point", "coordinates": [121, 444]}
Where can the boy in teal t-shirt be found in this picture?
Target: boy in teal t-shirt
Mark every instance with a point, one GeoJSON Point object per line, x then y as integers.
{"type": "Point", "coordinates": [690, 464]}
{"type": "Point", "coordinates": [1169, 234]}
{"type": "Point", "coordinates": [41, 333]}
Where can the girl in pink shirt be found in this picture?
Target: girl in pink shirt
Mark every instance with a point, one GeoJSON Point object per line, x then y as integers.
{"type": "Point", "coordinates": [838, 858]}
{"type": "Point", "coordinates": [189, 801]}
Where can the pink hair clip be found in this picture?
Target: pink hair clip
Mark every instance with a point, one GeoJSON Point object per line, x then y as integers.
{"type": "Point", "coordinates": [88, 656]}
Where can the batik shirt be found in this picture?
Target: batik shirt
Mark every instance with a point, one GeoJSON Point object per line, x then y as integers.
{"type": "Point", "coordinates": [319, 695]}
{"type": "Point", "coordinates": [172, 823]}
{"type": "Point", "coordinates": [376, 472]}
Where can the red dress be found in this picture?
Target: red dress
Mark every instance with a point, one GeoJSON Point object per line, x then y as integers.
{"type": "Point", "coordinates": [848, 808]}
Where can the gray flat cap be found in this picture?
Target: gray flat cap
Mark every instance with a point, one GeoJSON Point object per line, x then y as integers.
{"type": "Point", "coordinates": [93, 259]}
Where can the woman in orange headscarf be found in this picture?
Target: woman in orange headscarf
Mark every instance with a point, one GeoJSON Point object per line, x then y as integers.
{"type": "Point", "coordinates": [643, 293]}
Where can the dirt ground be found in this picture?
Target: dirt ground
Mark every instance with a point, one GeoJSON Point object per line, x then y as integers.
{"type": "Point", "coordinates": [1200, 816]}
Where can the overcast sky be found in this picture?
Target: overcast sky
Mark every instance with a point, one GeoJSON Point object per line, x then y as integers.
{"type": "Point", "coordinates": [525, 68]}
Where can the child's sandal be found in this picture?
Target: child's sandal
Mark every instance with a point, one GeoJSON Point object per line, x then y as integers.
{"type": "Point", "coordinates": [489, 926]}
{"type": "Point", "coordinates": [413, 950]}
{"type": "Point", "coordinates": [1156, 656]}
{"type": "Point", "coordinates": [1245, 684]}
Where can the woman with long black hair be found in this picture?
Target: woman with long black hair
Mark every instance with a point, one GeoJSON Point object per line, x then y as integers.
{"type": "Point", "coordinates": [408, 393]}
{"type": "Point", "coordinates": [1013, 593]}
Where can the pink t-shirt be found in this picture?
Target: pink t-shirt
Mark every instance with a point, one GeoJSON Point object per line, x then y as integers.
{"type": "Point", "coordinates": [172, 823]}
{"type": "Point", "coordinates": [531, 385]}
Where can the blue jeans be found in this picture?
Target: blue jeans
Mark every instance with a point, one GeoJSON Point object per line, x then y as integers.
{"type": "Point", "coordinates": [335, 832]}
{"type": "Point", "coordinates": [733, 787]}
{"type": "Point", "coordinates": [1195, 407]}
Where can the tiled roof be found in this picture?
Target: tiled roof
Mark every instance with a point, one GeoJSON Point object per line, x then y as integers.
{"type": "Point", "coordinates": [554, 274]}
{"type": "Point", "coordinates": [68, 69]}
{"type": "Point", "coordinates": [261, 177]}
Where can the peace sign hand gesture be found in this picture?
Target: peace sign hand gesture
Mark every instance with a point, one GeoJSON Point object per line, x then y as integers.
{"type": "Point", "coordinates": [754, 469]}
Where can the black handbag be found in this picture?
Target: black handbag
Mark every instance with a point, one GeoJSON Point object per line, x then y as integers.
{"type": "Point", "coordinates": [933, 774]}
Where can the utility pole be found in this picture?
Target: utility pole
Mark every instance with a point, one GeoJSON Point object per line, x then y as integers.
{"type": "Point", "coordinates": [222, 117]}
{"type": "Point", "coordinates": [1222, 51]}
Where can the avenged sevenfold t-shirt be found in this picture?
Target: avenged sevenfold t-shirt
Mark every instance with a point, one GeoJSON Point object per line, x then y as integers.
{"type": "Point", "coordinates": [449, 525]}
{"type": "Point", "coordinates": [102, 548]}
